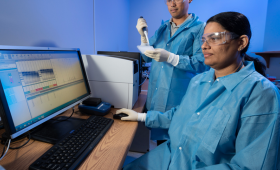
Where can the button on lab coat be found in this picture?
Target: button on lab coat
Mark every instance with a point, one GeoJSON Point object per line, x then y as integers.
{"type": "Point", "coordinates": [168, 84]}
{"type": "Point", "coordinates": [237, 126]}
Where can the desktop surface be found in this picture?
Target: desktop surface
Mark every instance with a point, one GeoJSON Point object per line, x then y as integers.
{"type": "Point", "coordinates": [110, 153]}
{"type": "Point", "coordinates": [71, 150]}
{"type": "Point", "coordinates": [29, 73]}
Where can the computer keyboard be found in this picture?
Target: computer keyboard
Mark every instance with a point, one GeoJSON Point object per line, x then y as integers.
{"type": "Point", "coordinates": [70, 151]}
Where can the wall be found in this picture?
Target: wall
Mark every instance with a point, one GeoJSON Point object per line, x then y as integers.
{"type": "Point", "coordinates": [111, 25]}
{"type": "Point", "coordinates": [63, 23]}
{"type": "Point", "coordinates": [154, 11]}
{"type": "Point", "coordinates": [71, 24]}
{"type": "Point", "coordinates": [272, 36]}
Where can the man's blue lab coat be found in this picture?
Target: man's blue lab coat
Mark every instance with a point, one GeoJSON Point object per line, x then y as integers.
{"type": "Point", "coordinates": [230, 123]}
{"type": "Point", "coordinates": [168, 84]}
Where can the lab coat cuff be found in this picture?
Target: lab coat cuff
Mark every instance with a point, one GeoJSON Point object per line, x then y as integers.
{"type": "Point", "coordinates": [141, 117]}
{"type": "Point", "coordinates": [173, 59]}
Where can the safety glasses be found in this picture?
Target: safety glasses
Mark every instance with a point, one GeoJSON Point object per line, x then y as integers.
{"type": "Point", "coordinates": [217, 38]}
{"type": "Point", "coordinates": [169, 2]}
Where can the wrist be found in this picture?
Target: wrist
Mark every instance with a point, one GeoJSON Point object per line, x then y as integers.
{"type": "Point", "coordinates": [141, 117]}
{"type": "Point", "coordinates": [173, 59]}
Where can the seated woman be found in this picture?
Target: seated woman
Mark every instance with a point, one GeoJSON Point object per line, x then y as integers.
{"type": "Point", "coordinates": [229, 117]}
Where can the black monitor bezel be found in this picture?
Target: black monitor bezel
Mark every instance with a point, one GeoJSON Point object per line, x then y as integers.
{"type": "Point", "coordinates": [4, 108]}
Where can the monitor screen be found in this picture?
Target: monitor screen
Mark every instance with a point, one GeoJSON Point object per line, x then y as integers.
{"type": "Point", "coordinates": [38, 84]}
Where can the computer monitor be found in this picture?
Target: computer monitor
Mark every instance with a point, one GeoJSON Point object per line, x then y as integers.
{"type": "Point", "coordinates": [134, 55]}
{"type": "Point", "coordinates": [37, 84]}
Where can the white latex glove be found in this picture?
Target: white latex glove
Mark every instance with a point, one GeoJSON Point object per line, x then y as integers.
{"type": "Point", "coordinates": [141, 23]}
{"type": "Point", "coordinates": [158, 54]}
{"type": "Point", "coordinates": [132, 115]}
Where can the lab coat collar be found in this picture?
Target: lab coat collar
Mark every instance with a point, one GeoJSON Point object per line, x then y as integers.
{"type": "Point", "coordinates": [208, 76]}
{"type": "Point", "coordinates": [232, 80]}
{"type": "Point", "coordinates": [187, 24]}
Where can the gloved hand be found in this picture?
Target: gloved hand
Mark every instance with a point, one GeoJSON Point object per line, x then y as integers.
{"type": "Point", "coordinates": [141, 23]}
{"type": "Point", "coordinates": [132, 115]}
{"type": "Point", "coordinates": [158, 54]}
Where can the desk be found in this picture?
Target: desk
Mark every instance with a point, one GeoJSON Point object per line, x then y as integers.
{"type": "Point", "coordinates": [109, 154]}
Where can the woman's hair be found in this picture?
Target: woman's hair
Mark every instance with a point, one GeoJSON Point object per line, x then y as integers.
{"type": "Point", "coordinates": [239, 24]}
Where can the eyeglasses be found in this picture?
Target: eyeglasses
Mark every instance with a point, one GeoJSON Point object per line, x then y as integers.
{"type": "Point", "coordinates": [217, 38]}
{"type": "Point", "coordinates": [169, 2]}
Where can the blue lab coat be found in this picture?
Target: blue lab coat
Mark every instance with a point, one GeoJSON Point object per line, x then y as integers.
{"type": "Point", "coordinates": [229, 123]}
{"type": "Point", "coordinates": [168, 84]}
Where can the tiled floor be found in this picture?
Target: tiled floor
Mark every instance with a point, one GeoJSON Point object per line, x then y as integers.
{"type": "Point", "coordinates": [131, 156]}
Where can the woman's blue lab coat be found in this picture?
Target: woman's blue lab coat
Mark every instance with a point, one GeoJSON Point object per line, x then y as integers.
{"type": "Point", "coordinates": [229, 123]}
{"type": "Point", "coordinates": [168, 84]}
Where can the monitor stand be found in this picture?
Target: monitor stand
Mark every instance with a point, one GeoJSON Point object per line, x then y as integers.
{"type": "Point", "coordinates": [54, 130]}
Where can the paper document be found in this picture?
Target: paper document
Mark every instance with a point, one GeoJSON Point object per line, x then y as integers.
{"type": "Point", "coordinates": [142, 49]}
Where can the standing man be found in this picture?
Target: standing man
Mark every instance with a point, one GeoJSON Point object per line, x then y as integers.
{"type": "Point", "coordinates": [177, 58]}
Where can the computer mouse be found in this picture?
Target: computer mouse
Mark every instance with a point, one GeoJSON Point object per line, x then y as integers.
{"type": "Point", "coordinates": [120, 115]}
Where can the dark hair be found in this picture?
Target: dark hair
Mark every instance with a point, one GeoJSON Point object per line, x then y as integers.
{"type": "Point", "coordinates": [239, 24]}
